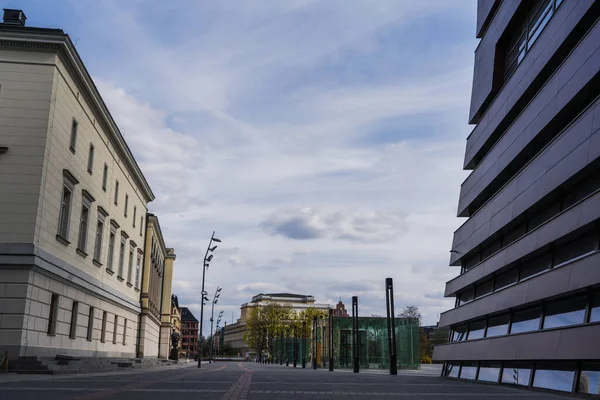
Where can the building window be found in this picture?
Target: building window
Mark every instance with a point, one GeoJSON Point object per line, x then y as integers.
{"type": "Point", "coordinates": [466, 297]}
{"type": "Point", "coordinates": [73, 141]}
{"type": "Point", "coordinates": [595, 309]}
{"type": "Point", "coordinates": [554, 377]}
{"type": "Point", "coordinates": [90, 326]}
{"type": "Point", "coordinates": [64, 219]}
{"type": "Point", "coordinates": [53, 316]}
{"type": "Point", "coordinates": [104, 177]}
{"type": "Point", "coordinates": [121, 255]}
{"type": "Point", "coordinates": [536, 266]}
{"type": "Point", "coordinates": [116, 193]}
{"type": "Point", "coordinates": [134, 215]}
{"type": "Point", "coordinates": [507, 278]}
{"type": "Point", "coordinates": [516, 374]}
{"type": "Point", "coordinates": [126, 204]}
{"type": "Point", "coordinates": [498, 326]}
{"type": "Point", "coordinates": [468, 370]}
{"type": "Point", "coordinates": [91, 159]}
{"type": "Point", "coordinates": [74, 315]}
{"type": "Point", "coordinates": [476, 330]}
{"type": "Point", "coordinates": [103, 332]}
{"type": "Point", "coordinates": [130, 264]}
{"type": "Point", "coordinates": [484, 288]}
{"type": "Point", "coordinates": [115, 329]}
{"type": "Point", "coordinates": [137, 270]}
{"type": "Point", "coordinates": [102, 214]}
{"type": "Point", "coordinates": [489, 372]}
{"type": "Point", "coordinates": [565, 313]}
{"type": "Point", "coordinates": [86, 203]}
{"type": "Point", "coordinates": [125, 332]}
{"type": "Point", "coordinates": [583, 245]}
{"type": "Point", "coordinates": [526, 33]}
{"type": "Point", "coordinates": [526, 321]}
{"type": "Point", "coordinates": [141, 224]}
{"type": "Point", "coordinates": [459, 333]}
{"type": "Point", "coordinates": [111, 246]}
{"type": "Point", "coordinates": [589, 379]}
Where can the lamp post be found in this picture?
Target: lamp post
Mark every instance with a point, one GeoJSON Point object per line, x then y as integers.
{"type": "Point", "coordinates": [304, 344]}
{"type": "Point", "coordinates": [295, 347]}
{"type": "Point", "coordinates": [212, 315]}
{"type": "Point", "coordinates": [287, 357]}
{"type": "Point", "coordinates": [214, 351]}
{"type": "Point", "coordinates": [330, 340]}
{"type": "Point", "coordinates": [207, 260]}
{"type": "Point", "coordinates": [314, 346]}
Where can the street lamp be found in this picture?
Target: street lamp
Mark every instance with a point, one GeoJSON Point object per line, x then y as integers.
{"type": "Point", "coordinates": [207, 259]}
{"type": "Point", "coordinates": [212, 314]}
{"type": "Point", "coordinates": [218, 322]}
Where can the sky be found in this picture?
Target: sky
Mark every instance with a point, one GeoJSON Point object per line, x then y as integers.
{"type": "Point", "coordinates": [322, 140]}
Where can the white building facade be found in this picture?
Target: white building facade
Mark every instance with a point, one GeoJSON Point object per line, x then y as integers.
{"type": "Point", "coordinates": [73, 203]}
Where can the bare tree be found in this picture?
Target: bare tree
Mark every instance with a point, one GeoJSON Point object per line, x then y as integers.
{"type": "Point", "coordinates": [411, 312]}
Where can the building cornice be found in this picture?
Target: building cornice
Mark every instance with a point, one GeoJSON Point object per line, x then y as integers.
{"type": "Point", "coordinates": [62, 45]}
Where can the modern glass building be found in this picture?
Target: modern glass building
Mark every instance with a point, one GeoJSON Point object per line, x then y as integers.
{"type": "Point", "coordinates": [527, 308]}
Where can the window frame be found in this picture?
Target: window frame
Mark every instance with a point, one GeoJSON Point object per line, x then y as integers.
{"type": "Point", "coordinates": [84, 222]}
{"type": "Point", "coordinates": [99, 238]}
{"type": "Point", "coordinates": [116, 199]}
{"type": "Point", "coordinates": [121, 259]}
{"type": "Point", "coordinates": [104, 177]}
{"type": "Point", "coordinates": [66, 206]}
{"type": "Point", "coordinates": [90, 165]}
{"type": "Point", "coordinates": [73, 137]}
{"type": "Point", "coordinates": [90, 326]}
{"type": "Point", "coordinates": [110, 257]}
{"type": "Point", "coordinates": [53, 314]}
{"type": "Point", "coordinates": [74, 317]}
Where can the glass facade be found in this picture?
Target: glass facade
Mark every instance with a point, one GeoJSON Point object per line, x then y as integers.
{"type": "Point", "coordinates": [516, 374]}
{"type": "Point", "coordinates": [498, 326]}
{"type": "Point", "coordinates": [549, 377]}
{"type": "Point", "coordinates": [468, 371]}
{"type": "Point", "coordinates": [525, 321]}
{"type": "Point", "coordinates": [589, 379]}
{"type": "Point", "coordinates": [564, 313]}
{"type": "Point", "coordinates": [489, 373]}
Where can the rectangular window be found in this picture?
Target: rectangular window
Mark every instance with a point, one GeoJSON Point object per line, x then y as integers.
{"type": "Point", "coordinates": [565, 313]}
{"type": "Point", "coordinates": [134, 215]}
{"type": "Point", "coordinates": [104, 177]}
{"type": "Point", "coordinates": [554, 377]}
{"type": "Point", "coordinates": [90, 326]}
{"type": "Point", "coordinates": [515, 234]}
{"type": "Point", "coordinates": [536, 266]}
{"type": "Point", "coordinates": [91, 159]}
{"type": "Point", "coordinates": [507, 278]}
{"type": "Point", "coordinates": [65, 211]}
{"type": "Point", "coordinates": [489, 372]}
{"type": "Point", "coordinates": [543, 215]}
{"type": "Point", "coordinates": [115, 329]}
{"type": "Point", "coordinates": [491, 249]}
{"type": "Point", "coordinates": [451, 370]}
{"type": "Point", "coordinates": [465, 297]}
{"type": "Point", "coordinates": [476, 330]}
{"type": "Point", "coordinates": [498, 326]}
{"type": "Point", "coordinates": [141, 225]}
{"type": "Point", "coordinates": [472, 261]}
{"type": "Point", "coordinates": [459, 333]}
{"type": "Point", "coordinates": [586, 187]}
{"type": "Point", "coordinates": [125, 332]}
{"type": "Point", "coordinates": [589, 381]}
{"type": "Point", "coordinates": [53, 316]}
{"type": "Point", "coordinates": [126, 204]}
{"type": "Point", "coordinates": [595, 309]}
{"type": "Point", "coordinates": [526, 321]}
{"type": "Point", "coordinates": [121, 257]}
{"type": "Point", "coordinates": [99, 235]}
{"type": "Point", "coordinates": [116, 193]}
{"type": "Point", "coordinates": [74, 315]}
{"type": "Point", "coordinates": [137, 270]}
{"type": "Point", "coordinates": [516, 374]}
{"type": "Point", "coordinates": [468, 370]}
{"type": "Point", "coordinates": [579, 247]}
{"type": "Point", "coordinates": [111, 249]}
{"type": "Point", "coordinates": [103, 332]}
{"type": "Point", "coordinates": [130, 265]}
{"type": "Point", "coordinates": [83, 227]}
{"type": "Point", "coordinates": [484, 288]}
{"type": "Point", "coordinates": [73, 141]}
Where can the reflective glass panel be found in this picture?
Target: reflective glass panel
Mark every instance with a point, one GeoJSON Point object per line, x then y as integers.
{"type": "Point", "coordinates": [452, 370]}
{"type": "Point", "coordinates": [553, 379]}
{"type": "Point", "coordinates": [595, 310]}
{"type": "Point", "coordinates": [460, 333]}
{"type": "Point", "coordinates": [468, 371]}
{"type": "Point", "coordinates": [535, 266]}
{"type": "Point", "coordinates": [525, 321]}
{"type": "Point", "coordinates": [516, 374]}
{"type": "Point", "coordinates": [576, 248]}
{"type": "Point", "coordinates": [489, 372]}
{"type": "Point", "coordinates": [465, 297]}
{"type": "Point", "coordinates": [498, 326]}
{"type": "Point", "coordinates": [507, 278]}
{"type": "Point", "coordinates": [539, 22]}
{"type": "Point", "coordinates": [476, 330]}
{"type": "Point", "coordinates": [589, 381]}
{"type": "Point", "coordinates": [484, 288]}
{"type": "Point", "coordinates": [564, 313]}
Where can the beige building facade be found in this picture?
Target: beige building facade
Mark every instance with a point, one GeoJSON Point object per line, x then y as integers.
{"type": "Point", "coordinates": [73, 203]}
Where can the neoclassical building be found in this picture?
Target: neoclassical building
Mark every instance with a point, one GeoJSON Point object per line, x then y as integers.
{"type": "Point", "coordinates": [73, 205]}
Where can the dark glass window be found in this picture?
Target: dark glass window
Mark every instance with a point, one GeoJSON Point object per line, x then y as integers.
{"type": "Point", "coordinates": [465, 297]}
{"type": "Point", "coordinates": [489, 372]}
{"type": "Point", "coordinates": [484, 288]}
{"type": "Point", "coordinates": [451, 370]}
{"type": "Point", "coordinates": [516, 374]}
{"type": "Point", "coordinates": [575, 248]}
{"type": "Point", "coordinates": [555, 377]}
{"type": "Point", "coordinates": [535, 266]}
{"type": "Point", "coordinates": [472, 261]}
{"type": "Point", "coordinates": [515, 234]}
{"type": "Point", "coordinates": [468, 371]}
{"type": "Point", "coordinates": [543, 215]}
{"type": "Point", "coordinates": [589, 381]}
{"type": "Point", "coordinates": [588, 186]}
{"type": "Point", "coordinates": [507, 278]}
{"type": "Point", "coordinates": [595, 309]}
{"type": "Point", "coordinates": [491, 249]}
{"type": "Point", "coordinates": [525, 321]}
{"type": "Point", "coordinates": [460, 333]}
{"type": "Point", "coordinates": [498, 326]}
{"type": "Point", "coordinates": [476, 330]}
{"type": "Point", "coordinates": [565, 312]}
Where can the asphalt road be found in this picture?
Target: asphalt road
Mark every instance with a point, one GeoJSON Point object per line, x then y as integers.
{"type": "Point", "coordinates": [229, 380]}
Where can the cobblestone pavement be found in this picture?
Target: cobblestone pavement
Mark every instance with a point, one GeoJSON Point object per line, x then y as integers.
{"type": "Point", "coordinates": [229, 380]}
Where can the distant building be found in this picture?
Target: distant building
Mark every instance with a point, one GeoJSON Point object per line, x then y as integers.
{"type": "Point", "coordinates": [340, 310]}
{"type": "Point", "coordinates": [189, 332]}
{"type": "Point", "coordinates": [234, 333]}
{"type": "Point", "coordinates": [175, 319]}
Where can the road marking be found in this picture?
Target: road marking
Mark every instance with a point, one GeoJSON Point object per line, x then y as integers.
{"type": "Point", "coordinates": [239, 390]}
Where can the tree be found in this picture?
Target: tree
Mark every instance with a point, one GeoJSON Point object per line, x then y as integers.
{"type": "Point", "coordinates": [411, 312]}
{"type": "Point", "coordinates": [264, 323]}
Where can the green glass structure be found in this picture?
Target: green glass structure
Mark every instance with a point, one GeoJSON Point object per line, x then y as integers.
{"type": "Point", "coordinates": [373, 344]}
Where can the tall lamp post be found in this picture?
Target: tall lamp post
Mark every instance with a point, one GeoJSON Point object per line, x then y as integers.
{"type": "Point", "coordinates": [207, 260]}
{"type": "Point", "coordinates": [212, 315]}
{"type": "Point", "coordinates": [212, 339]}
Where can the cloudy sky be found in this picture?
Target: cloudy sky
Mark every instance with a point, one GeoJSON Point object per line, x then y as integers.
{"type": "Point", "coordinates": [321, 139]}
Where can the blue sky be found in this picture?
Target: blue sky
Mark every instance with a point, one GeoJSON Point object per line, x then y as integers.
{"type": "Point", "coordinates": [322, 140]}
